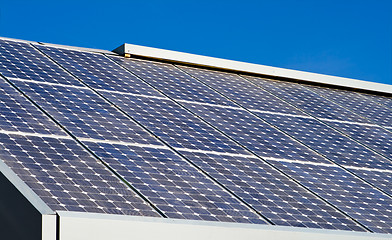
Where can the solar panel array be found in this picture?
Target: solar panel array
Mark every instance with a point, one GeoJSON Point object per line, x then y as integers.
{"type": "Point", "coordinates": [101, 133]}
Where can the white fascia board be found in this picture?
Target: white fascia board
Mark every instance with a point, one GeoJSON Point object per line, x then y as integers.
{"type": "Point", "coordinates": [25, 190]}
{"type": "Point", "coordinates": [252, 68]}
{"type": "Point", "coordinates": [49, 227]}
{"type": "Point", "coordinates": [94, 226]}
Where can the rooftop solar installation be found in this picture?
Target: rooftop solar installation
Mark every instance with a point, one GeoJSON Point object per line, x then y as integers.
{"type": "Point", "coordinates": [101, 133]}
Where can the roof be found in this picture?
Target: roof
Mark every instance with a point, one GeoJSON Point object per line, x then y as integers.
{"type": "Point", "coordinates": [165, 135]}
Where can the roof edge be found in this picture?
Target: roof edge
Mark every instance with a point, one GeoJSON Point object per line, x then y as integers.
{"type": "Point", "coordinates": [25, 190]}
{"type": "Point", "coordinates": [243, 67]}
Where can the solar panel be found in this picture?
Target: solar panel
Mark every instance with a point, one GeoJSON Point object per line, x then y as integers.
{"type": "Point", "coordinates": [313, 133]}
{"type": "Point", "coordinates": [105, 134]}
{"type": "Point", "coordinates": [243, 92]}
{"type": "Point", "coordinates": [367, 205]}
{"type": "Point", "coordinates": [97, 124]}
{"type": "Point", "coordinates": [279, 198]}
{"type": "Point", "coordinates": [202, 144]}
{"type": "Point", "coordinates": [310, 102]}
{"type": "Point", "coordinates": [182, 87]}
{"type": "Point", "coordinates": [274, 146]}
{"type": "Point", "coordinates": [17, 114]}
{"type": "Point", "coordinates": [20, 60]}
{"type": "Point", "coordinates": [360, 129]}
{"type": "Point", "coordinates": [357, 104]}
{"type": "Point", "coordinates": [377, 138]}
{"type": "Point", "coordinates": [106, 75]}
{"type": "Point", "coordinates": [61, 172]}
{"type": "Point", "coordinates": [385, 101]}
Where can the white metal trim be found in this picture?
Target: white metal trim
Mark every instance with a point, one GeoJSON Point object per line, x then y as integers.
{"type": "Point", "coordinates": [25, 190]}
{"type": "Point", "coordinates": [243, 67]}
{"type": "Point", "coordinates": [85, 226]}
{"type": "Point", "coordinates": [49, 227]}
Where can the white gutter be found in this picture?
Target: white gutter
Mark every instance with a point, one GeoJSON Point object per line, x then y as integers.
{"type": "Point", "coordinates": [243, 67]}
{"type": "Point", "coordinates": [94, 226]}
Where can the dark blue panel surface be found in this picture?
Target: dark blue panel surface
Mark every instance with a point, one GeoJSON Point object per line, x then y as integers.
{"type": "Point", "coordinates": [301, 97]}
{"type": "Point", "coordinates": [329, 142]}
{"type": "Point", "coordinates": [67, 177]}
{"type": "Point", "coordinates": [313, 133]}
{"type": "Point", "coordinates": [385, 101]}
{"type": "Point", "coordinates": [96, 123]}
{"type": "Point", "coordinates": [182, 130]}
{"type": "Point", "coordinates": [172, 81]}
{"type": "Point", "coordinates": [243, 92]}
{"type": "Point", "coordinates": [254, 134]}
{"type": "Point", "coordinates": [21, 60]}
{"type": "Point", "coordinates": [174, 186]}
{"type": "Point", "coordinates": [277, 197]}
{"type": "Point", "coordinates": [175, 125]}
{"type": "Point", "coordinates": [380, 178]}
{"type": "Point", "coordinates": [98, 71]}
{"type": "Point", "coordinates": [247, 129]}
{"type": "Point", "coordinates": [85, 114]}
{"type": "Point", "coordinates": [362, 202]}
{"type": "Point", "coordinates": [375, 137]}
{"type": "Point", "coordinates": [358, 104]}
{"type": "Point", "coordinates": [18, 114]}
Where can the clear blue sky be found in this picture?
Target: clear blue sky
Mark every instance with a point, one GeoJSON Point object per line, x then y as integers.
{"type": "Point", "coordinates": [343, 38]}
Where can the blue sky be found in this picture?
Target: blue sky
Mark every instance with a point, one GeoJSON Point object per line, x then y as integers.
{"type": "Point", "coordinates": [342, 38]}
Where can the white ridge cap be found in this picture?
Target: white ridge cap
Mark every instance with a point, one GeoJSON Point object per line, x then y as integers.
{"type": "Point", "coordinates": [244, 67]}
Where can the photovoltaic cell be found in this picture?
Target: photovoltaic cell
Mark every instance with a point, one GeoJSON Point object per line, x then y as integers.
{"type": "Point", "coordinates": [277, 197]}
{"type": "Point", "coordinates": [385, 101]}
{"type": "Point", "coordinates": [181, 86]}
{"type": "Point", "coordinates": [358, 104]}
{"type": "Point", "coordinates": [173, 124]}
{"type": "Point", "coordinates": [18, 114]}
{"type": "Point", "coordinates": [174, 186]}
{"type": "Point", "coordinates": [98, 71]}
{"type": "Point", "coordinates": [243, 128]}
{"type": "Point", "coordinates": [301, 97]}
{"type": "Point", "coordinates": [239, 124]}
{"type": "Point", "coordinates": [67, 177]}
{"type": "Point", "coordinates": [243, 92]}
{"type": "Point", "coordinates": [363, 203]}
{"type": "Point", "coordinates": [357, 128]}
{"type": "Point", "coordinates": [62, 173]}
{"type": "Point", "coordinates": [380, 178]}
{"type": "Point", "coordinates": [85, 114]}
{"type": "Point", "coordinates": [96, 123]}
{"type": "Point", "coordinates": [329, 142]}
{"type": "Point", "coordinates": [377, 138]}
{"type": "Point", "coordinates": [254, 134]}
{"type": "Point", "coordinates": [313, 133]}
{"type": "Point", "coordinates": [366, 164]}
{"type": "Point", "coordinates": [21, 60]}
{"type": "Point", "coordinates": [196, 140]}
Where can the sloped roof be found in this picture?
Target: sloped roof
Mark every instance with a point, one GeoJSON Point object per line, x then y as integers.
{"type": "Point", "coordinates": [92, 131]}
